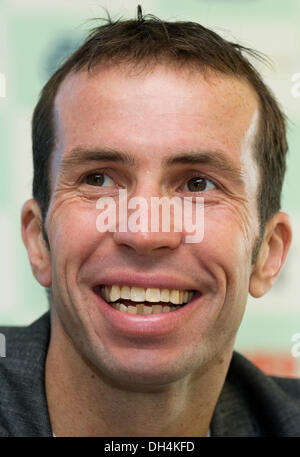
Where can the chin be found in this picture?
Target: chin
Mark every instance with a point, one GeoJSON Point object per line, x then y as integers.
{"type": "Point", "coordinates": [147, 370]}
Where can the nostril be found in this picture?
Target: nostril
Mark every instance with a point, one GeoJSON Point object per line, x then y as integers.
{"type": "Point", "coordinates": [148, 243]}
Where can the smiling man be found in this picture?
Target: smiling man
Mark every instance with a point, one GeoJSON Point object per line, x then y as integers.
{"type": "Point", "coordinates": [140, 335]}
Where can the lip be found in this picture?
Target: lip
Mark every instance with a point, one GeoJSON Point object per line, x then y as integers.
{"type": "Point", "coordinates": [145, 327]}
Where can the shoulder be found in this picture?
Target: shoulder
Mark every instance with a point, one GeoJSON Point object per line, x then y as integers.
{"type": "Point", "coordinates": [28, 341]}
{"type": "Point", "coordinates": [255, 404]}
{"type": "Point", "coordinates": [270, 386]}
{"type": "Point", "coordinates": [22, 397]}
{"type": "Point", "coordinates": [288, 386]}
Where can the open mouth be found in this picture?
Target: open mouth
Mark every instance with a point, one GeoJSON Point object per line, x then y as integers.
{"type": "Point", "coordinates": [144, 301]}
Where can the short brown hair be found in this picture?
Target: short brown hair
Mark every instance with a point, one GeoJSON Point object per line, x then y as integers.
{"type": "Point", "coordinates": [147, 40]}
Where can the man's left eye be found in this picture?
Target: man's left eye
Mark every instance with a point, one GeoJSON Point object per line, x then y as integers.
{"type": "Point", "coordinates": [99, 180]}
{"type": "Point", "coordinates": [199, 184]}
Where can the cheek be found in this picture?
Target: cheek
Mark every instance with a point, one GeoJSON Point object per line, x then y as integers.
{"type": "Point", "coordinates": [226, 252]}
{"type": "Point", "coordinates": [231, 229]}
{"type": "Point", "coordinates": [226, 249]}
{"type": "Point", "coordinates": [72, 232]}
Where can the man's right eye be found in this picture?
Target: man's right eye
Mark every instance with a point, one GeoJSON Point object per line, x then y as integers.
{"type": "Point", "coordinates": [99, 180]}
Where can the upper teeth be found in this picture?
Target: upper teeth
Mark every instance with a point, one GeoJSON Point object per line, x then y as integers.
{"type": "Point", "coordinates": [139, 294]}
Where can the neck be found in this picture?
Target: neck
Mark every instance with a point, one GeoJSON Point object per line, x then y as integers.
{"type": "Point", "coordinates": [82, 402]}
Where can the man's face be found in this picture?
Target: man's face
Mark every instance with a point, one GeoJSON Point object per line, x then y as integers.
{"type": "Point", "coordinates": [152, 118]}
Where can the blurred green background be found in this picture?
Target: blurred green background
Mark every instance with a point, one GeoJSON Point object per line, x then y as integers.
{"type": "Point", "coordinates": [36, 35]}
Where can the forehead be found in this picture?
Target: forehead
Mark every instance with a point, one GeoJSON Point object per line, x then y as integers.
{"type": "Point", "coordinates": [155, 111]}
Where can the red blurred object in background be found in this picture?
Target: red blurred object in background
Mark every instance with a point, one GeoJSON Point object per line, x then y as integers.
{"type": "Point", "coordinates": [275, 363]}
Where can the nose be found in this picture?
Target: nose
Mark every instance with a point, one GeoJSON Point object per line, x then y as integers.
{"type": "Point", "coordinates": [146, 243]}
{"type": "Point", "coordinates": [144, 230]}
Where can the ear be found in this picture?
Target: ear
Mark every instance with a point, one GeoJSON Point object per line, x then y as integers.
{"type": "Point", "coordinates": [32, 235]}
{"type": "Point", "coordinates": [272, 254]}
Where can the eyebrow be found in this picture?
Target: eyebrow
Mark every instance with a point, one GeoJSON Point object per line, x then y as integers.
{"type": "Point", "coordinates": [214, 159]}
{"type": "Point", "coordinates": [79, 156]}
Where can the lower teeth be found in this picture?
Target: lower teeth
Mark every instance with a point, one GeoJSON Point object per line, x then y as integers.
{"type": "Point", "coordinates": [142, 309]}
